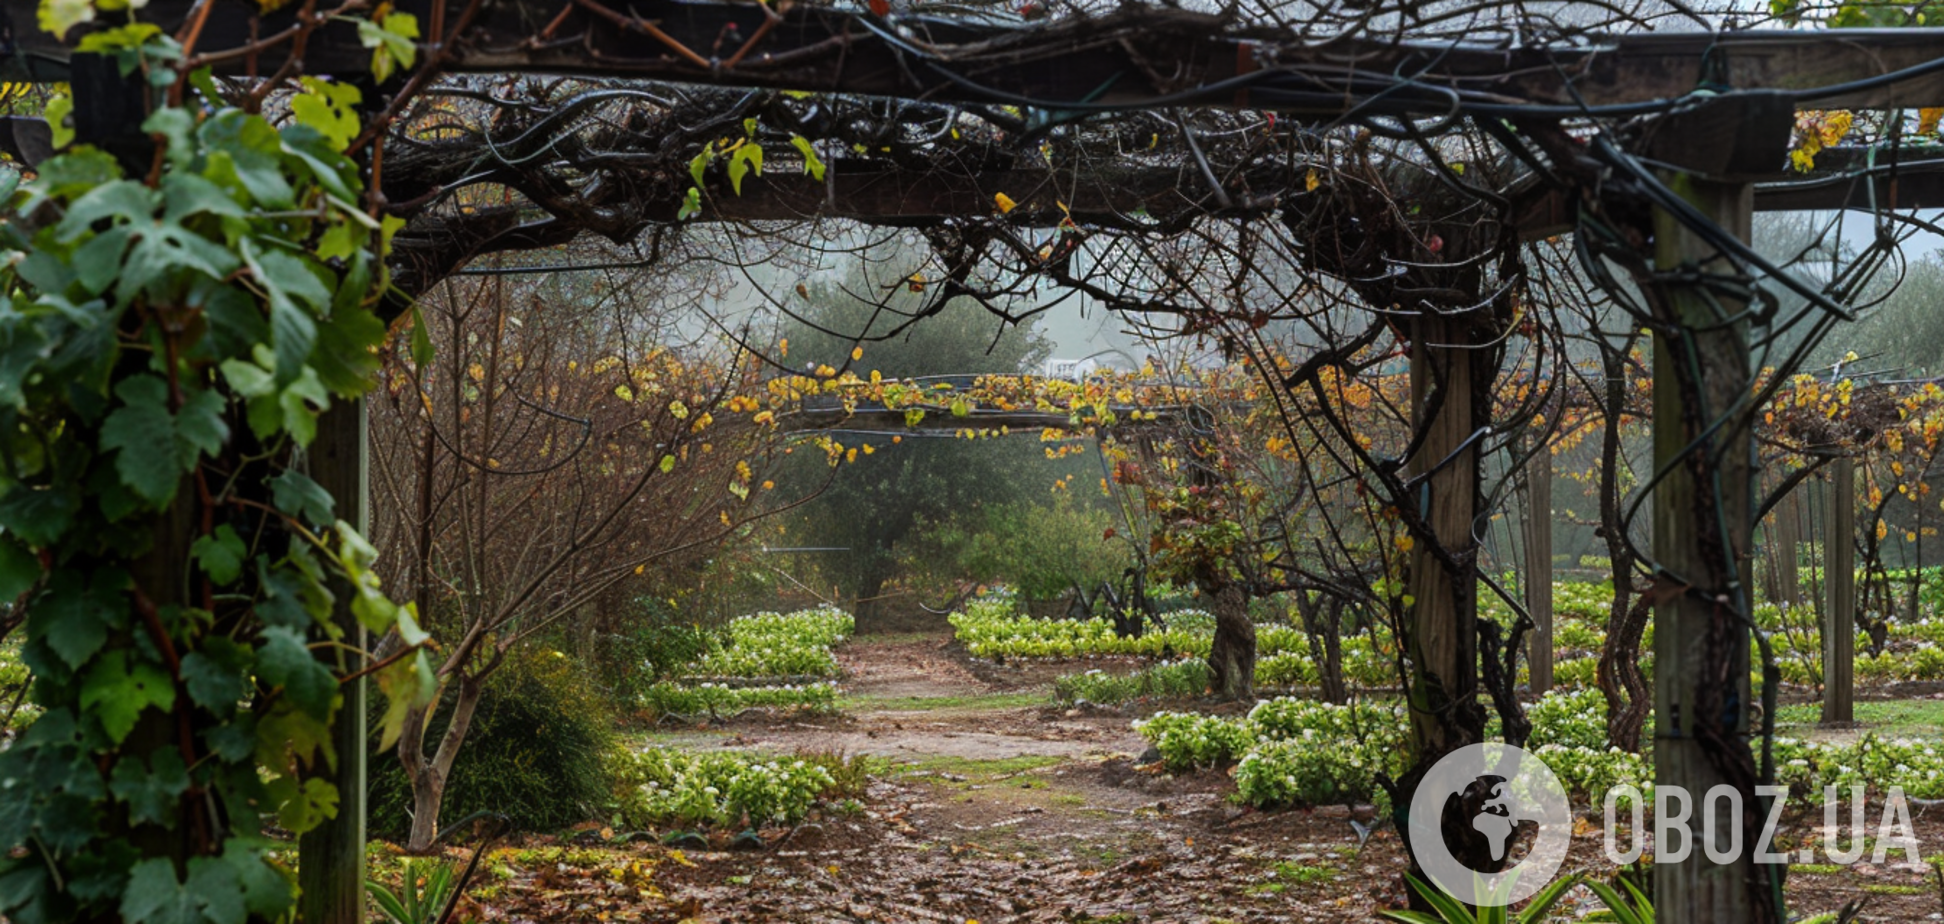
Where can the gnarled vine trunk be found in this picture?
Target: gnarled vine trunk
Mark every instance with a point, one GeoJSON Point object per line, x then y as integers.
{"type": "Point", "coordinates": [1619, 676]}
{"type": "Point", "coordinates": [1323, 624]}
{"type": "Point", "coordinates": [1231, 659]}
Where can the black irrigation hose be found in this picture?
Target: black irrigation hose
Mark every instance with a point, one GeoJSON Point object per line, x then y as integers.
{"type": "Point", "coordinates": [504, 825]}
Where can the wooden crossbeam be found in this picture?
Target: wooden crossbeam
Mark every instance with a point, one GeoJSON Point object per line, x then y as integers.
{"type": "Point", "coordinates": [1129, 57]}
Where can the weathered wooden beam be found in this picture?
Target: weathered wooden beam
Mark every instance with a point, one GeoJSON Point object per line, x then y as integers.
{"type": "Point", "coordinates": [1700, 704]}
{"type": "Point", "coordinates": [1130, 56]}
{"type": "Point", "coordinates": [1539, 568]}
{"type": "Point", "coordinates": [1788, 541]}
{"type": "Point", "coordinates": [1839, 619]}
{"type": "Point", "coordinates": [331, 857]}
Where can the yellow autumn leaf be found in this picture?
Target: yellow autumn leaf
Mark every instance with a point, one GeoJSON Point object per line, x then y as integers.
{"type": "Point", "coordinates": [1311, 180]}
{"type": "Point", "coordinates": [1927, 120]}
{"type": "Point", "coordinates": [1835, 126]}
{"type": "Point", "coordinates": [857, 353]}
{"type": "Point", "coordinates": [1005, 202]}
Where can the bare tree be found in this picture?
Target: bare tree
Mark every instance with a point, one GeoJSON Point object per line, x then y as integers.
{"type": "Point", "coordinates": [536, 447]}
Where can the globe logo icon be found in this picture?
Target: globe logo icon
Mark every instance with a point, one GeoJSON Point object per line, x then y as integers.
{"type": "Point", "coordinates": [1511, 789]}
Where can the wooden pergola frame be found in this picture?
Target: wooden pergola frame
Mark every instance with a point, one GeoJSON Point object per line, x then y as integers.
{"type": "Point", "coordinates": [1115, 60]}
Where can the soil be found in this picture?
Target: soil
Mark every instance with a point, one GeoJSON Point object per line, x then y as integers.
{"type": "Point", "coordinates": [1029, 813]}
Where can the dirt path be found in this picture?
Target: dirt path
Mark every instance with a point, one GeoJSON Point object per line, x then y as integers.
{"type": "Point", "coordinates": [1005, 809]}
{"type": "Point", "coordinates": [1001, 808]}
{"type": "Point", "coordinates": [910, 699]}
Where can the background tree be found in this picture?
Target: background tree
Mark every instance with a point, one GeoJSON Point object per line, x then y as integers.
{"type": "Point", "coordinates": [537, 446]}
{"type": "Point", "coordinates": [896, 485]}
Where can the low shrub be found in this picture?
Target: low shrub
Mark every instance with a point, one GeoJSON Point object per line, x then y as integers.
{"type": "Point", "coordinates": [1311, 771]}
{"type": "Point", "coordinates": [1590, 771]}
{"type": "Point", "coordinates": [714, 700]}
{"type": "Point", "coordinates": [1377, 726]}
{"type": "Point", "coordinates": [1871, 761]}
{"type": "Point", "coordinates": [663, 786]}
{"type": "Point", "coordinates": [537, 751]}
{"type": "Point", "coordinates": [778, 645]}
{"type": "Point", "coordinates": [1569, 718]}
{"type": "Point", "coordinates": [1188, 741]}
{"type": "Point", "coordinates": [1312, 753]}
{"type": "Point", "coordinates": [992, 627]}
{"type": "Point", "coordinates": [1188, 677]}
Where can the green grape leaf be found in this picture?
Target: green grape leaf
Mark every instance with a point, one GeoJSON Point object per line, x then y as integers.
{"type": "Point", "coordinates": [220, 554]}
{"type": "Point", "coordinates": [304, 807]}
{"type": "Point", "coordinates": [151, 790]}
{"type": "Point", "coordinates": [116, 692]}
{"type": "Point", "coordinates": [293, 599]}
{"type": "Point", "coordinates": [812, 164]}
{"type": "Point", "coordinates": [288, 738]}
{"type": "Point", "coordinates": [748, 157]}
{"type": "Point", "coordinates": [214, 893]}
{"type": "Point", "coordinates": [296, 494]}
{"type": "Point", "coordinates": [408, 684]}
{"type": "Point", "coordinates": [200, 428]}
{"type": "Point", "coordinates": [71, 618]}
{"type": "Point", "coordinates": [266, 893]}
{"type": "Point", "coordinates": [215, 882]}
{"type": "Point", "coordinates": [245, 155]}
{"type": "Point", "coordinates": [154, 896]}
{"type": "Point", "coordinates": [283, 660]}
{"type": "Point", "coordinates": [700, 163]}
{"type": "Point", "coordinates": [390, 41]}
{"type": "Point", "coordinates": [214, 674]}
{"type": "Point", "coordinates": [188, 194]}
{"type": "Point", "coordinates": [301, 402]}
{"type": "Point", "coordinates": [57, 112]}
{"type": "Point", "coordinates": [134, 432]}
{"type": "Point", "coordinates": [123, 200]}
{"type": "Point", "coordinates": [422, 354]}
{"type": "Point", "coordinates": [344, 359]}
{"type": "Point", "coordinates": [249, 379]}
{"type": "Point", "coordinates": [39, 516]}
{"type": "Point", "coordinates": [19, 569]}
{"type": "Point", "coordinates": [330, 108]}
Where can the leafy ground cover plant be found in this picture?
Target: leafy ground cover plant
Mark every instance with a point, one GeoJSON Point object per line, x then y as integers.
{"type": "Point", "coordinates": [715, 700]}
{"type": "Point", "coordinates": [778, 645]}
{"type": "Point", "coordinates": [1189, 741]}
{"type": "Point", "coordinates": [665, 786]}
{"type": "Point", "coordinates": [1187, 677]}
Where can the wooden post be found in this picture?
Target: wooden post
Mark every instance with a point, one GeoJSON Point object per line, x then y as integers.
{"type": "Point", "coordinates": [331, 857]}
{"type": "Point", "coordinates": [1788, 539]}
{"type": "Point", "coordinates": [1539, 568]}
{"type": "Point", "coordinates": [1839, 575]}
{"type": "Point", "coordinates": [1693, 520]}
{"type": "Point", "coordinates": [1442, 633]}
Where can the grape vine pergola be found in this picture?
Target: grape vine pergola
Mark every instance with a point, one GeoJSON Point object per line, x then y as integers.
{"type": "Point", "coordinates": [1675, 191]}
